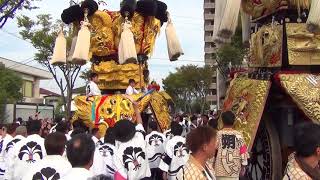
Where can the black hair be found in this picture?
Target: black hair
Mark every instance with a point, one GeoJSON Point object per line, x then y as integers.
{"type": "Point", "coordinates": [55, 143]}
{"type": "Point", "coordinates": [153, 125]}
{"type": "Point", "coordinates": [109, 136]}
{"type": "Point", "coordinates": [62, 127]}
{"type": "Point", "coordinates": [93, 75]}
{"type": "Point", "coordinates": [131, 81]}
{"type": "Point", "coordinates": [200, 136]}
{"type": "Point", "coordinates": [176, 128]}
{"type": "Point", "coordinates": [94, 131]}
{"type": "Point", "coordinates": [204, 115]}
{"type": "Point", "coordinates": [306, 139]}
{"type": "Point", "coordinates": [80, 150]}
{"type": "Point", "coordinates": [77, 131]}
{"type": "Point", "coordinates": [213, 123]}
{"type": "Point", "coordinates": [228, 118]}
{"type": "Point", "coordinates": [80, 124]}
{"type": "Point", "coordinates": [33, 127]}
{"type": "Point", "coordinates": [101, 177]}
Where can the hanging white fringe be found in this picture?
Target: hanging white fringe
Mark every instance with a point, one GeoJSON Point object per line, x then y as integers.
{"type": "Point", "coordinates": [220, 6]}
{"type": "Point", "coordinates": [229, 21]}
{"type": "Point", "coordinates": [73, 46]}
{"type": "Point", "coordinates": [246, 26]}
{"type": "Point", "coordinates": [59, 51]}
{"type": "Point", "coordinates": [81, 51]}
{"type": "Point", "coordinates": [174, 47]}
{"type": "Point", "coordinates": [313, 22]}
{"type": "Point", "coordinates": [127, 48]}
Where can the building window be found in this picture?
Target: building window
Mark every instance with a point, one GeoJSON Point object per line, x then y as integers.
{"type": "Point", "coordinates": [27, 89]}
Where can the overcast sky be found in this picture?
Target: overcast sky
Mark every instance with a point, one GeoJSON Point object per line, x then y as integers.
{"type": "Point", "coordinates": [187, 17]}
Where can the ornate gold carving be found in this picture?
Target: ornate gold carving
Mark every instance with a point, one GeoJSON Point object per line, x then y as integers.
{"type": "Point", "coordinates": [102, 36]}
{"type": "Point", "coordinates": [303, 46]}
{"type": "Point", "coordinates": [116, 76]}
{"type": "Point", "coordinates": [160, 108]}
{"type": "Point", "coordinates": [305, 91]}
{"type": "Point", "coordinates": [258, 8]}
{"type": "Point", "coordinates": [266, 47]}
{"type": "Point", "coordinates": [246, 98]}
{"type": "Point", "coordinates": [107, 28]}
{"type": "Point", "coordinates": [116, 107]}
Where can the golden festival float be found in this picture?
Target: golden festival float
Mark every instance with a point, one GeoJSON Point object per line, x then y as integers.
{"type": "Point", "coordinates": [118, 44]}
{"type": "Point", "coordinates": [281, 85]}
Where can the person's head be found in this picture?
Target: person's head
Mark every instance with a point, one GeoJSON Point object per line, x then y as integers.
{"type": "Point", "coordinates": [12, 129]}
{"type": "Point", "coordinates": [77, 131]}
{"type": "Point", "coordinates": [55, 143]}
{"type": "Point", "coordinates": [153, 126]}
{"type": "Point", "coordinates": [80, 151]}
{"type": "Point", "coordinates": [228, 118]}
{"type": "Point", "coordinates": [33, 127]}
{"type": "Point", "coordinates": [176, 128]}
{"type": "Point", "coordinates": [124, 130]}
{"type": "Point", "coordinates": [94, 77]}
{"type": "Point", "coordinates": [95, 132]}
{"type": "Point", "coordinates": [62, 127]}
{"type": "Point", "coordinates": [132, 82]}
{"type": "Point", "coordinates": [205, 119]}
{"type": "Point", "coordinates": [307, 140]}
{"type": "Point", "coordinates": [213, 123]}
{"type": "Point", "coordinates": [79, 124]}
{"type": "Point", "coordinates": [22, 131]}
{"type": "Point", "coordinates": [194, 119]}
{"type": "Point", "coordinates": [202, 140]}
{"type": "Point", "coordinates": [109, 136]}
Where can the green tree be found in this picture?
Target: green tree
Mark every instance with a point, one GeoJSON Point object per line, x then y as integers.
{"type": "Point", "coordinates": [42, 33]}
{"type": "Point", "coordinates": [231, 53]}
{"type": "Point", "coordinates": [10, 89]}
{"type": "Point", "coordinates": [8, 8]}
{"type": "Point", "coordinates": [189, 84]}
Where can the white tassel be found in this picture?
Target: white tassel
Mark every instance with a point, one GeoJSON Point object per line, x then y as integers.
{"type": "Point", "coordinates": [229, 21]}
{"type": "Point", "coordinates": [59, 51]}
{"type": "Point", "coordinates": [220, 6]}
{"type": "Point", "coordinates": [174, 47]}
{"type": "Point", "coordinates": [127, 48]}
{"type": "Point", "coordinates": [313, 22]}
{"type": "Point", "coordinates": [246, 26]}
{"type": "Point", "coordinates": [81, 51]}
{"type": "Point", "coordinates": [73, 46]}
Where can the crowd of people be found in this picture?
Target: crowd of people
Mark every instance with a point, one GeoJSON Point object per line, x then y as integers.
{"type": "Point", "coordinates": [192, 149]}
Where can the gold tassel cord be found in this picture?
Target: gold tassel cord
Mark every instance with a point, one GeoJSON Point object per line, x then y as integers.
{"type": "Point", "coordinates": [59, 51]}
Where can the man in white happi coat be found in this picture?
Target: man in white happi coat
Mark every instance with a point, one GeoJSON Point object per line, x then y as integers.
{"type": "Point", "coordinates": [131, 88]}
{"type": "Point", "coordinates": [155, 149]}
{"type": "Point", "coordinates": [54, 165]}
{"type": "Point", "coordinates": [21, 133]}
{"type": "Point", "coordinates": [26, 152]}
{"type": "Point", "coordinates": [130, 158]}
{"type": "Point", "coordinates": [80, 153]}
{"type": "Point", "coordinates": [105, 152]}
{"type": "Point", "coordinates": [176, 153]}
{"type": "Point", "coordinates": [5, 139]}
{"type": "Point", "coordinates": [92, 88]}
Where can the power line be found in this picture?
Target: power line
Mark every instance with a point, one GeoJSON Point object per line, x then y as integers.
{"type": "Point", "coordinates": [23, 62]}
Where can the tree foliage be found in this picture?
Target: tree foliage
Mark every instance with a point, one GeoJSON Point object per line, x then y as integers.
{"type": "Point", "coordinates": [189, 85]}
{"type": "Point", "coordinates": [8, 8]}
{"type": "Point", "coordinates": [10, 89]}
{"type": "Point", "coordinates": [231, 53]}
{"type": "Point", "coordinates": [42, 33]}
